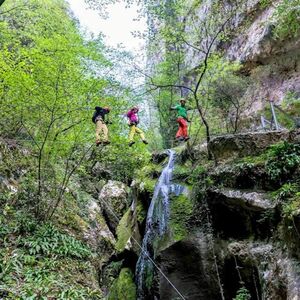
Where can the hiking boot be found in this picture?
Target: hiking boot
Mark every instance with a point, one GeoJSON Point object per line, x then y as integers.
{"type": "Point", "coordinates": [186, 139]}
{"type": "Point", "coordinates": [145, 142]}
{"type": "Point", "coordinates": [98, 143]}
{"type": "Point", "coordinates": [180, 138]}
{"type": "Point", "coordinates": [131, 143]}
{"type": "Point", "coordinates": [106, 143]}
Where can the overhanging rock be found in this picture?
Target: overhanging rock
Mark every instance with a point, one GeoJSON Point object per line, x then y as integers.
{"type": "Point", "coordinates": [233, 146]}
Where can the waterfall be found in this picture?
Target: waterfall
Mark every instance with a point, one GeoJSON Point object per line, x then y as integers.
{"type": "Point", "coordinates": [156, 227]}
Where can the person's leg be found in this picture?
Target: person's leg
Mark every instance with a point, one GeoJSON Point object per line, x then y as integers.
{"type": "Point", "coordinates": [131, 132]}
{"type": "Point", "coordinates": [105, 132]}
{"type": "Point", "coordinates": [179, 133]}
{"type": "Point", "coordinates": [98, 131]}
{"type": "Point", "coordinates": [141, 133]}
{"type": "Point", "coordinates": [184, 128]}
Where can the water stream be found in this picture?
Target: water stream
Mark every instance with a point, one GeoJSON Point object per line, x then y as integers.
{"type": "Point", "coordinates": [156, 227]}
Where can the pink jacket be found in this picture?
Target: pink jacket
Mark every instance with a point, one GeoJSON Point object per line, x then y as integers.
{"type": "Point", "coordinates": [133, 117]}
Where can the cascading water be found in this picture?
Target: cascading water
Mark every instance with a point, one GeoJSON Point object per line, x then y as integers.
{"type": "Point", "coordinates": [156, 227]}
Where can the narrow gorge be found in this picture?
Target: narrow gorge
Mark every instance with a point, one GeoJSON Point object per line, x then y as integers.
{"type": "Point", "coordinates": [197, 199]}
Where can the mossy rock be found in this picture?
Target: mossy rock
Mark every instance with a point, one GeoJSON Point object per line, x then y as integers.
{"type": "Point", "coordinates": [181, 211]}
{"type": "Point", "coordinates": [147, 185]}
{"type": "Point", "coordinates": [181, 172]}
{"type": "Point", "coordinates": [147, 177]}
{"type": "Point", "coordinates": [124, 231]}
{"type": "Point", "coordinates": [123, 287]}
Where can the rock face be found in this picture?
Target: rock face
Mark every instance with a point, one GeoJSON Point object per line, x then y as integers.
{"type": "Point", "coordinates": [252, 201]}
{"type": "Point", "coordinates": [240, 145]}
{"type": "Point", "coordinates": [189, 265]}
{"type": "Point", "coordinates": [273, 64]}
{"type": "Point", "coordinates": [237, 237]}
{"type": "Point", "coordinates": [113, 200]}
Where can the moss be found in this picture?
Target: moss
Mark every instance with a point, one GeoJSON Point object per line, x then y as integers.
{"type": "Point", "coordinates": [150, 170]}
{"type": "Point", "coordinates": [123, 231]}
{"type": "Point", "coordinates": [181, 211]}
{"type": "Point", "coordinates": [253, 160]}
{"type": "Point", "coordinates": [147, 177]}
{"type": "Point", "coordinates": [181, 172]}
{"type": "Point", "coordinates": [123, 287]}
{"type": "Point", "coordinates": [141, 212]}
{"type": "Point", "coordinates": [148, 185]}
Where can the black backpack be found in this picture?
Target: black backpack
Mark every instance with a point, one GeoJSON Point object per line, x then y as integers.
{"type": "Point", "coordinates": [94, 117]}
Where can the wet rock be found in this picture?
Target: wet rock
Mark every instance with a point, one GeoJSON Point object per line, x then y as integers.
{"type": "Point", "coordinates": [254, 201]}
{"type": "Point", "coordinates": [228, 147]}
{"type": "Point", "coordinates": [189, 265]}
{"type": "Point", "coordinates": [241, 214]}
{"type": "Point", "coordinates": [159, 156]}
{"type": "Point", "coordinates": [241, 176]}
{"type": "Point", "coordinates": [114, 202]}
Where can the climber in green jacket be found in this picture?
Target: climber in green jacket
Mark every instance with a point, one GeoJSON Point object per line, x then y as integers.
{"type": "Point", "coordinates": [182, 119]}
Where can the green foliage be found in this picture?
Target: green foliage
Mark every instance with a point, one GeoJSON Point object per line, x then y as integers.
{"type": "Point", "coordinates": [282, 160]}
{"type": "Point", "coordinates": [289, 198]}
{"type": "Point", "coordinates": [122, 161]}
{"type": "Point", "coordinates": [286, 191]}
{"type": "Point", "coordinates": [225, 90]}
{"type": "Point", "coordinates": [197, 172]}
{"type": "Point", "coordinates": [292, 207]}
{"type": "Point", "coordinates": [28, 277]}
{"type": "Point", "coordinates": [52, 78]}
{"type": "Point", "coordinates": [141, 212]}
{"type": "Point", "coordinates": [47, 240]}
{"type": "Point", "coordinates": [123, 287]}
{"type": "Point", "coordinates": [265, 3]}
{"type": "Point", "coordinates": [286, 17]}
{"type": "Point", "coordinates": [242, 294]}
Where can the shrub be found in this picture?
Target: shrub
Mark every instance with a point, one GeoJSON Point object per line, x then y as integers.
{"type": "Point", "coordinates": [282, 160]}
{"type": "Point", "coordinates": [242, 294]}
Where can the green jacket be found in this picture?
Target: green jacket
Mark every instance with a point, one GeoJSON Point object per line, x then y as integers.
{"type": "Point", "coordinates": [181, 111]}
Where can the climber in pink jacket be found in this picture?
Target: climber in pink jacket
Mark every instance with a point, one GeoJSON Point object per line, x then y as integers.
{"type": "Point", "coordinates": [133, 120]}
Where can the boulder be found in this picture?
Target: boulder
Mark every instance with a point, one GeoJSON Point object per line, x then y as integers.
{"type": "Point", "coordinates": [114, 202]}
{"type": "Point", "coordinates": [97, 233]}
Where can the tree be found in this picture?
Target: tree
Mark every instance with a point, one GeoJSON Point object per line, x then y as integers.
{"type": "Point", "coordinates": [52, 79]}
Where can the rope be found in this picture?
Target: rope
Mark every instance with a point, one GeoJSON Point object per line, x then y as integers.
{"type": "Point", "coordinates": [156, 266]}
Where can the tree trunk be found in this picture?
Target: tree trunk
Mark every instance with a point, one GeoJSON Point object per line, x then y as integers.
{"type": "Point", "coordinates": [203, 119]}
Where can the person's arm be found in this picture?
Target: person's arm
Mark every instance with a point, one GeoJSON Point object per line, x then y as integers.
{"type": "Point", "coordinates": [129, 114]}
{"type": "Point", "coordinates": [94, 117]}
{"type": "Point", "coordinates": [173, 107]}
{"type": "Point", "coordinates": [108, 121]}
